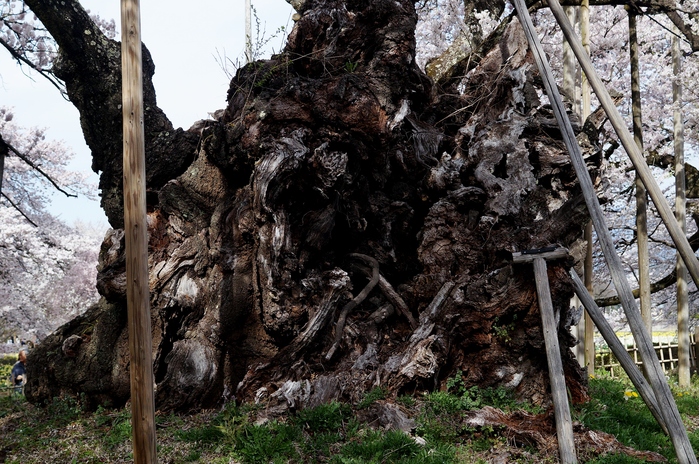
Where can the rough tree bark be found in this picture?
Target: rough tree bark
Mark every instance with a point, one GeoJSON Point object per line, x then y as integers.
{"type": "Point", "coordinates": [261, 222]}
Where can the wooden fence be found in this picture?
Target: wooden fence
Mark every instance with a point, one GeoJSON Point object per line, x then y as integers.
{"type": "Point", "coordinates": [666, 351]}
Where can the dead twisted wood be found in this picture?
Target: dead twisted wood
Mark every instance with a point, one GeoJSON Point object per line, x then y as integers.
{"type": "Point", "coordinates": [394, 298]}
{"type": "Point", "coordinates": [419, 360]}
{"type": "Point", "coordinates": [356, 301]}
{"type": "Point", "coordinates": [336, 286]}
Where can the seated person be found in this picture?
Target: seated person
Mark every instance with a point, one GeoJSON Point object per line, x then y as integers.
{"type": "Point", "coordinates": [18, 376]}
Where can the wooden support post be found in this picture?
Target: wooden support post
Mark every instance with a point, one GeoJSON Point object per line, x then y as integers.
{"type": "Point", "coordinates": [571, 91]}
{"type": "Point", "coordinates": [564, 424]}
{"type": "Point", "coordinates": [666, 403]}
{"type": "Point", "coordinates": [561, 409]}
{"type": "Point", "coordinates": [641, 193]}
{"type": "Point", "coordinates": [617, 348]}
{"type": "Point", "coordinates": [683, 371]}
{"type": "Point", "coordinates": [136, 233]}
{"type": "Point", "coordinates": [585, 39]}
{"type": "Point", "coordinates": [4, 151]}
{"type": "Point", "coordinates": [570, 67]}
{"type": "Point", "coordinates": [589, 338]}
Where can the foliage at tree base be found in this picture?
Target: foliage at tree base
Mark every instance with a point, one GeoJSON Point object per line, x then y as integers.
{"type": "Point", "coordinates": [439, 428]}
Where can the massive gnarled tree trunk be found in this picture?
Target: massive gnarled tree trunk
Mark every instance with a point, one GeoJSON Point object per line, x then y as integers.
{"type": "Point", "coordinates": [335, 165]}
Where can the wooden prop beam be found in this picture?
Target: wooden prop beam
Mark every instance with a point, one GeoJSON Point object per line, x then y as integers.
{"type": "Point", "coordinates": [135, 230]}
{"type": "Point", "coordinates": [641, 193]}
{"type": "Point", "coordinates": [666, 403]}
{"type": "Point", "coordinates": [547, 253]}
{"type": "Point", "coordinates": [561, 409]}
{"type": "Point", "coordinates": [617, 348]}
{"type": "Point", "coordinates": [683, 348]}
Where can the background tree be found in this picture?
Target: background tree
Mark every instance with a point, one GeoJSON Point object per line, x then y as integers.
{"type": "Point", "coordinates": [47, 268]}
{"type": "Point", "coordinates": [333, 157]}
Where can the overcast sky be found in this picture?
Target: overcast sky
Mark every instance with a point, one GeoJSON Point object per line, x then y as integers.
{"type": "Point", "coordinates": [185, 39]}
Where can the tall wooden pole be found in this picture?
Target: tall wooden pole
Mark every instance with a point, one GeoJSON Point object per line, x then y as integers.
{"type": "Point", "coordinates": [570, 90]}
{"type": "Point", "coordinates": [589, 328]}
{"type": "Point", "coordinates": [564, 424]}
{"type": "Point", "coordinates": [136, 233]}
{"type": "Point", "coordinates": [641, 192]}
{"type": "Point", "coordinates": [680, 212]}
{"type": "Point", "coordinates": [585, 38]}
{"type": "Point", "coordinates": [570, 66]}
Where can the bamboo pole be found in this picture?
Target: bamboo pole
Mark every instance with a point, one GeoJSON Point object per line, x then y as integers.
{"type": "Point", "coordinates": [617, 348]}
{"type": "Point", "coordinates": [589, 332]}
{"type": "Point", "coordinates": [135, 229]}
{"type": "Point", "coordinates": [668, 408]}
{"type": "Point", "coordinates": [641, 192]}
{"type": "Point", "coordinates": [681, 215]}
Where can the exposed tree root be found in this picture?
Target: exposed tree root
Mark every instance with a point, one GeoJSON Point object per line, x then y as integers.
{"type": "Point", "coordinates": [420, 359]}
{"type": "Point", "coordinates": [395, 299]}
{"type": "Point", "coordinates": [356, 301]}
{"type": "Point", "coordinates": [539, 431]}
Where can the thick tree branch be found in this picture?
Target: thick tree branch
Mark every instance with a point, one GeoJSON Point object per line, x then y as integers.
{"type": "Point", "coordinates": [90, 65]}
{"type": "Point", "coordinates": [69, 24]}
{"type": "Point", "coordinates": [685, 29]}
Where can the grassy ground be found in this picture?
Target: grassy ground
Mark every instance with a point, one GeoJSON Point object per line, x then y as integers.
{"type": "Point", "coordinates": [63, 433]}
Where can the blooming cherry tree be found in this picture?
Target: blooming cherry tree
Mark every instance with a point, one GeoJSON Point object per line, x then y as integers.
{"type": "Point", "coordinates": [47, 268]}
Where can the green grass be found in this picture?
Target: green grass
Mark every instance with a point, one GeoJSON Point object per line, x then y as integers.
{"type": "Point", "coordinates": [330, 433]}
{"type": "Point", "coordinates": [6, 363]}
{"type": "Point", "coordinates": [378, 393]}
{"type": "Point", "coordinates": [617, 409]}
